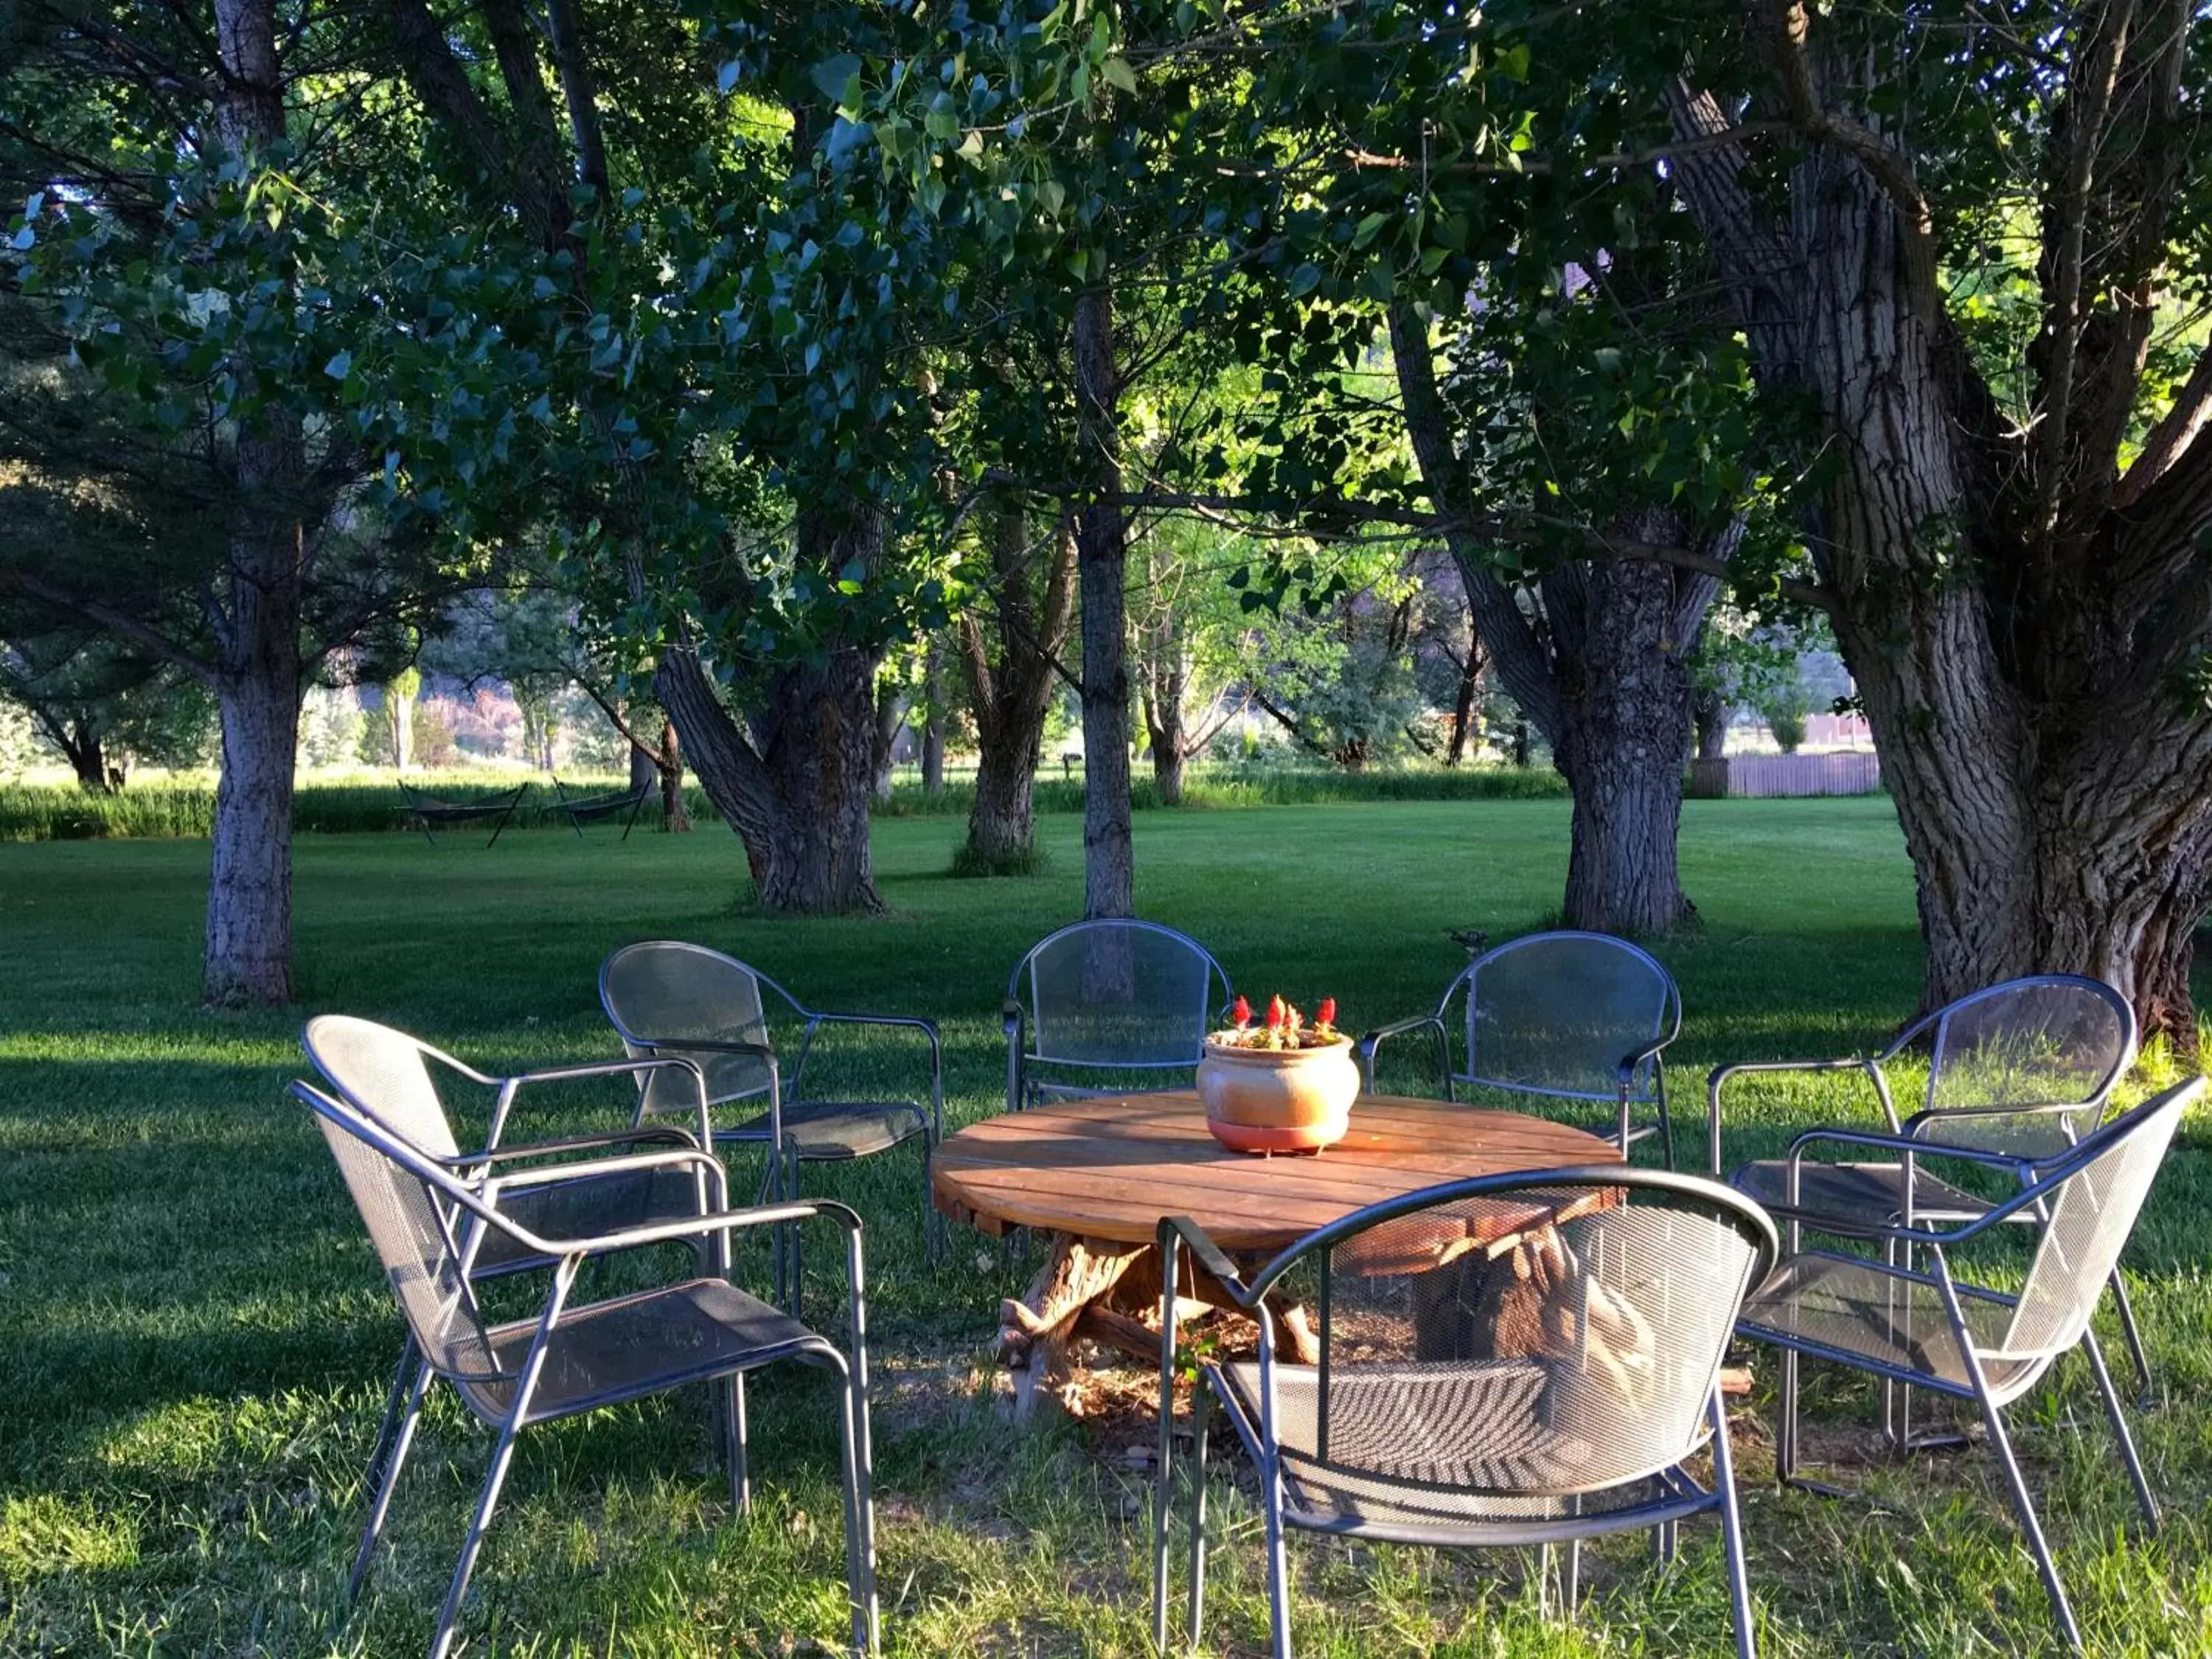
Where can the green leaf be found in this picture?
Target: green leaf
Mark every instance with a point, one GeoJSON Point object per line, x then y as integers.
{"type": "Point", "coordinates": [1117, 73]}
{"type": "Point", "coordinates": [340, 366]}
{"type": "Point", "coordinates": [1370, 228]}
{"type": "Point", "coordinates": [832, 74]}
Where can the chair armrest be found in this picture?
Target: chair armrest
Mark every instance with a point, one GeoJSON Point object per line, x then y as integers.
{"type": "Point", "coordinates": [1635, 1057]}
{"type": "Point", "coordinates": [510, 1087]}
{"type": "Point", "coordinates": [667, 1134]}
{"type": "Point", "coordinates": [1181, 1229]}
{"type": "Point", "coordinates": [1720, 1074]}
{"type": "Point", "coordinates": [1373, 1040]}
{"type": "Point", "coordinates": [715, 1221]}
{"type": "Point", "coordinates": [908, 1023]}
{"type": "Point", "coordinates": [686, 1157]}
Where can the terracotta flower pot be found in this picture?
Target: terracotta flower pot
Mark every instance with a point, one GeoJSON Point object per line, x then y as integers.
{"type": "Point", "coordinates": [1291, 1100]}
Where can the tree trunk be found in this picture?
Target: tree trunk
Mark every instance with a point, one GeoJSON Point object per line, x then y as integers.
{"type": "Point", "coordinates": [644, 767]}
{"type": "Point", "coordinates": [1013, 693]}
{"type": "Point", "coordinates": [888, 717]}
{"type": "Point", "coordinates": [1711, 713]}
{"type": "Point", "coordinates": [1625, 704]}
{"type": "Point", "coordinates": [796, 788]}
{"type": "Point", "coordinates": [674, 818]}
{"type": "Point", "coordinates": [1464, 718]}
{"type": "Point", "coordinates": [1108, 860]}
{"type": "Point", "coordinates": [79, 741]}
{"type": "Point", "coordinates": [932, 731]}
{"type": "Point", "coordinates": [249, 918]}
{"type": "Point", "coordinates": [399, 722]}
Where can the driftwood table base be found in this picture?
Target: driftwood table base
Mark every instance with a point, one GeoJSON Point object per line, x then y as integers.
{"type": "Point", "coordinates": [1109, 1293]}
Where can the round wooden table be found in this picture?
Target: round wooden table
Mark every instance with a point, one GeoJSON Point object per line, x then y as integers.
{"type": "Point", "coordinates": [1098, 1175]}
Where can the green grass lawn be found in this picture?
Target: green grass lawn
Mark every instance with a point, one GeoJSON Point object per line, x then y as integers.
{"type": "Point", "coordinates": [194, 1337]}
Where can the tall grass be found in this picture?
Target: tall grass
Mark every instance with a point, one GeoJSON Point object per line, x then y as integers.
{"type": "Point", "coordinates": [165, 810]}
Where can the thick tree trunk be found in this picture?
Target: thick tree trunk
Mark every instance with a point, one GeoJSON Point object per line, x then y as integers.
{"type": "Point", "coordinates": [1002, 823]}
{"type": "Point", "coordinates": [1626, 727]}
{"type": "Point", "coordinates": [674, 818]}
{"type": "Point", "coordinates": [1168, 761]}
{"type": "Point", "coordinates": [796, 788]}
{"type": "Point", "coordinates": [1108, 859]}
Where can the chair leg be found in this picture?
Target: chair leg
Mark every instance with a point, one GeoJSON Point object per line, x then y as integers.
{"type": "Point", "coordinates": [2031, 1528]}
{"type": "Point", "coordinates": [2148, 1503]}
{"type": "Point", "coordinates": [1785, 1433]}
{"type": "Point", "coordinates": [933, 1224]}
{"type": "Point", "coordinates": [2146, 1389]}
{"type": "Point", "coordinates": [394, 1459]}
{"type": "Point", "coordinates": [733, 1441]}
{"type": "Point", "coordinates": [1201, 1414]}
{"type": "Point", "coordinates": [1279, 1565]}
{"type": "Point", "coordinates": [860, 1522]}
{"type": "Point", "coordinates": [395, 1402]}
{"type": "Point", "coordinates": [791, 1228]}
{"type": "Point", "coordinates": [502, 1457]}
{"type": "Point", "coordinates": [1731, 1529]}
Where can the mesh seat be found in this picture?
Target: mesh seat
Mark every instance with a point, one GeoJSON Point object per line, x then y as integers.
{"type": "Point", "coordinates": [1565, 1015]}
{"type": "Point", "coordinates": [638, 1345]}
{"type": "Point", "coordinates": [825, 1129]}
{"type": "Point", "coordinates": [1849, 1309]}
{"type": "Point", "coordinates": [585, 1208]}
{"type": "Point", "coordinates": [1109, 1006]}
{"type": "Point", "coordinates": [1854, 1198]}
{"type": "Point", "coordinates": [1930, 1330]}
{"type": "Point", "coordinates": [1516, 1359]}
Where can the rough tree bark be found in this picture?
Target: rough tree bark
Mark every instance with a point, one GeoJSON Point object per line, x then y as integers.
{"type": "Point", "coordinates": [1604, 679]}
{"type": "Point", "coordinates": [2017, 608]}
{"type": "Point", "coordinates": [258, 670]}
{"type": "Point", "coordinates": [1162, 696]}
{"type": "Point", "coordinates": [1103, 555]}
{"type": "Point", "coordinates": [795, 787]}
{"type": "Point", "coordinates": [1012, 692]}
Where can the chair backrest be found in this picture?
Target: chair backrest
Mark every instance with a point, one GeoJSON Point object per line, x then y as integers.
{"type": "Point", "coordinates": [381, 1072]}
{"type": "Point", "coordinates": [1119, 994]}
{"type": "Point", "coordinates": [2048, 1040]}
{"type": "Point", "coordinates": [2100, 1190]}
{"type": "Point", "coordinates": [1555, 1013]}
{"type": "Point", "coordinates": [1537, 1334]}
{"type": "Point", "coordinates": [659, 992]}
{"type": "Point", "coordinates": [397, 1191]}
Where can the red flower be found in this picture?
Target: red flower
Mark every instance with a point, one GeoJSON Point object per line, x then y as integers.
{"type": "Point", "coordinates": [1240, 1013]}
{"type": "Point", "coordinates": [1279, 1013]}
{"type": "Point", "coordinates": [1325, 1014]}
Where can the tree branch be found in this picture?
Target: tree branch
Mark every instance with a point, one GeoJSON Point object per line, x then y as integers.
{"type": "Point", "coordinates": [149, 640]}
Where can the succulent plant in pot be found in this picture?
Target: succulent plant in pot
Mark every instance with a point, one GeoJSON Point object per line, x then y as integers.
{"type": "Point", "coordinates": [1279, 1084]}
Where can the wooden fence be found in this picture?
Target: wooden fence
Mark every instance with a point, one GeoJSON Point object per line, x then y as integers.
{"type": "Point", "coordinates": [1845, 772]}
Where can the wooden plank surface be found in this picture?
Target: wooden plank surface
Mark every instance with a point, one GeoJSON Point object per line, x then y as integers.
{"type": "Point", "coordinates": [1110, 1169]}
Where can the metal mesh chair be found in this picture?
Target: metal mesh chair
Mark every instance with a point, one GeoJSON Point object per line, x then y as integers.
{"type": "Point", "coordinates": [1930, 1330]}
{"type": "Point", "coordinates": [2025, 1067]}
{"type": "Point", "coordinates": [1098, 999]}
{"type": "Point", "coordinates": [1517, 1360]}
{"type": "Point", "coordinates": [426, 1226]}
{"type": "Point", "coordinates": [668, 999]}
{"type": "Point", "coordinates": [1570, 1015]}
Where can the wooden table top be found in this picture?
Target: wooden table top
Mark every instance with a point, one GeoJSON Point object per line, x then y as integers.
{"type": "Point", "coordinates": [1110, 1168]}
